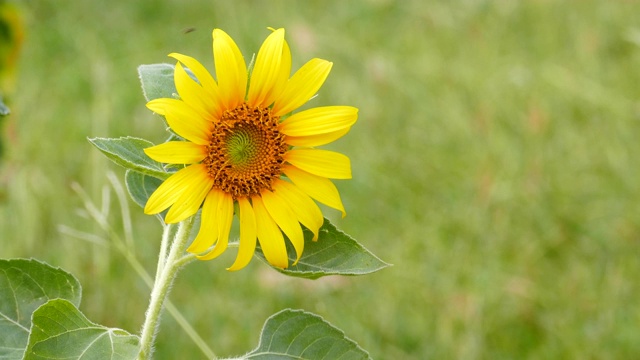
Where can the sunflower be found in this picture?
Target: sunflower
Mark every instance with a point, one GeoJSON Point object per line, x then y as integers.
{"type": "Point", "coordinates": [244, 152]}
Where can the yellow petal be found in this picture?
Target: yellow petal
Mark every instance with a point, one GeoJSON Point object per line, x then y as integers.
{"type": "Point", "coordinates": [268, 69]}
{"type": "Point", "coordinates": [281, 78]}
{"type": "Point", "coordinates": [183, 119]}
{"type": "Point", "coordinates": [306, 211]}
{"type": "Point", "coordinates": [171, 189]}
{"type": "Point", "coordinates": [320, 120]}
{"type": "Point", "coordinates": [248, 235]}
{"type": "Point", "coordinates": [316, 140]}
{"type": "Point", "coordinates": [225, 217]}
{"type": "Point", "coordinates": [231, 69]}
{"type": "Point", "coordinates": [286, 219]}
{"type": "Point", "coordinates": [158, 106]}
{"type": "Point", "coordinates": [319, 188]}
{"type": "Point", "coordinates": [303, 85]}
{"type": "Point", "coordinates": [208, 233]}
{"type": "Point", "coordinates": [204, 77]}
{"type": "Point", "coordinates": [325, 163]}
{"type": "Point", "coordinates": [192, 197]}
{"type": "Point", "coordinates": [194, 95]}
{"type": "Point", "coordinates": [270, 236]}
{"type": "Point", "coordinates": [177, 152]}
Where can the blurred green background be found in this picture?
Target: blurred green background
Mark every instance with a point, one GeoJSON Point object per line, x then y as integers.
{"type": "Point", "coordinates": [493, 165]}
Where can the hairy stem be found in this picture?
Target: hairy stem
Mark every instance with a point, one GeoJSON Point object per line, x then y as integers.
{"type": "Point", "coordinates": [161, 287]}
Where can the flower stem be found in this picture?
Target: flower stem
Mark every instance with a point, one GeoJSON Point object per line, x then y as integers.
{"type": "Point", "coordinates": [161, 287]}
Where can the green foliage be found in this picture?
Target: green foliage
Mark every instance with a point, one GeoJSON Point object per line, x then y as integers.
{"type": "Point", "coordinates": [157, 81]}
{"type": "Point", "coordinates": [61, 331]}
{"type": "Point", "coordinates": [24, 286]}
{"type": "Point", "coordinates": [128, 152]}
{"type": "Point", "coordinates": [334, 253]}
{"type": "Point", "coordinates": [141, 186]}
{"type": "Point", "coordinates": [39, 318]}
{"type": "Point", "coordinates": [296, 334]}
{"type": "Point", "coordinates": [4, 110]}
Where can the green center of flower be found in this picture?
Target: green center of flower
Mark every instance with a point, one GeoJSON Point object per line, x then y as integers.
{"type": "Point", "coordinates": [246, 151]}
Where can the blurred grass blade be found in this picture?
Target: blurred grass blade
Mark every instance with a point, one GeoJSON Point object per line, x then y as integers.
{"type": "Point", "coordinates": [61, 331]}
{"type": "Point", "coordinates": [296, 334]}
{"type": "Point", "coordinates": [129, 153]}
{"type": "Point", "coordinates": [157, 81]}
{"type": "Point", "coordinates": [335, 253]}
{"type": "Point", "coordinates": [24, 286]}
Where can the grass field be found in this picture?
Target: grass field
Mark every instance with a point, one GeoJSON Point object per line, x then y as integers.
{"type": "Point", "coordinates": [493, 165]}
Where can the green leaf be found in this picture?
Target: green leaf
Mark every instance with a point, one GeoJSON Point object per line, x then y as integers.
{"type": "Point", "coordinates": [157, 81]}
{"type": "Point", "coordinates": [296, 334]}
{"type": "Point", "coordinates": [129, 152]}
{"type": "Point", "coordinates": [61, 331]}
{"type": "Point", "coordinates": [24, 286]}
{"type": "Point", "coordinates": [334, 253]}
{"type": "Point", "coordinates": [140, 186]}
{"type": "Point", "coordinates": [4, 110]}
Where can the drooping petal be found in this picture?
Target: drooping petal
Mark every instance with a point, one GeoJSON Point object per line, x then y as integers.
{"type": "Point", "coordinates": [171, 189]}
{"type": "Point", "coordinates": [194, 95]}
{"type": "Point", "coordinates": [177, 152]}
{"type": "Point", "coordinates": [248, 235]}
{"type": "Point", "coordinates": [204, 77]}
{"type": "Point", "coordinates": [329, 164]}
{"type": "Point", "coordinates": [270, 236]}
{"type": "Point", "coordinates": [286, 219]}
{"type": "Point", "coordinates": [316, 140]}
{"type": "Point", "coordinates": [268, 69]}
{"type": "Point", "coordinates": [208, 233]}
{"type": "Point", "coordinates": [225, 217]}
{"type": "Point", "coordinates": [319, 188]}
{"type": "Point", "coordinates": [183, 119]}
{"type": "Point", "coordinates": [231, 69]}
{"type": "Point", "coordinates": [320, 120]}
{"type": "Point", "coordinates": [306, 211]}
{"type": "Point", "coordinates": [189, 202]}
{"type": "Point", "coordinates": [303, 85]}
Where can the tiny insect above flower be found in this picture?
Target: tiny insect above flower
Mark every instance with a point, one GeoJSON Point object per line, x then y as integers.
{"type": "Point", "coordinates": [242, 149]}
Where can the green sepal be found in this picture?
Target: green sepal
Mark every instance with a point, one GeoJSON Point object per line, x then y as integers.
{"type": "Point", "coordinates": [334, 253]}
{"type": "Point", "coordinates": [61, 331]}
{"type": "Point", "coordinates": [24, 286]}
{"type": "Point", "coordinates": [297, 334]}
{"type": "Point", "coordinates": [129, 153]}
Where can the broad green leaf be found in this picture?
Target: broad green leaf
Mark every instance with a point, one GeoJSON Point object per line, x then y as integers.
{"type": "Point", "coordinates": [24, 286]}
{"type": "Point", "coordinates": [4, 110]}
{"type": "Point", "coordinates": [61, 331]}
{"type": "Point", "coordinates": [157, 81]}
{"type": "Point", "coordinates": [334, 253]}
{"type": "Point", "coordinates": [140, 187]}
{"type": "Point", "coordinates": [296, 334]}
{"type": "Point", "coordinates": [128, 152]}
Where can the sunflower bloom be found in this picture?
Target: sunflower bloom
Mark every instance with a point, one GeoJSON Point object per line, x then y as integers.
{"type": "Point", "coordinates": [244, 154]}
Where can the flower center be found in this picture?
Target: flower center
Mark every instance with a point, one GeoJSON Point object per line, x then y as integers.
{"type": "Point", "coordinates": [246, 151]}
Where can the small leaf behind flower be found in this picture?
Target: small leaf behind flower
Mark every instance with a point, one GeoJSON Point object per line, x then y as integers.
{"type": "Point", "coordinates": [4, 110]}
{"type": "Point", "coordinates": [129, 153]}
{"type": "Point", "coordinates": [296, 334]}
{"type": "Point", "coordinates": [157, 81]}
{"type": "Point", "coordinates": [24, 286]}
{"type": "Point", "coordinates": [61, 331]}
{"type": "Point", "coordinates": [334, 253]}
